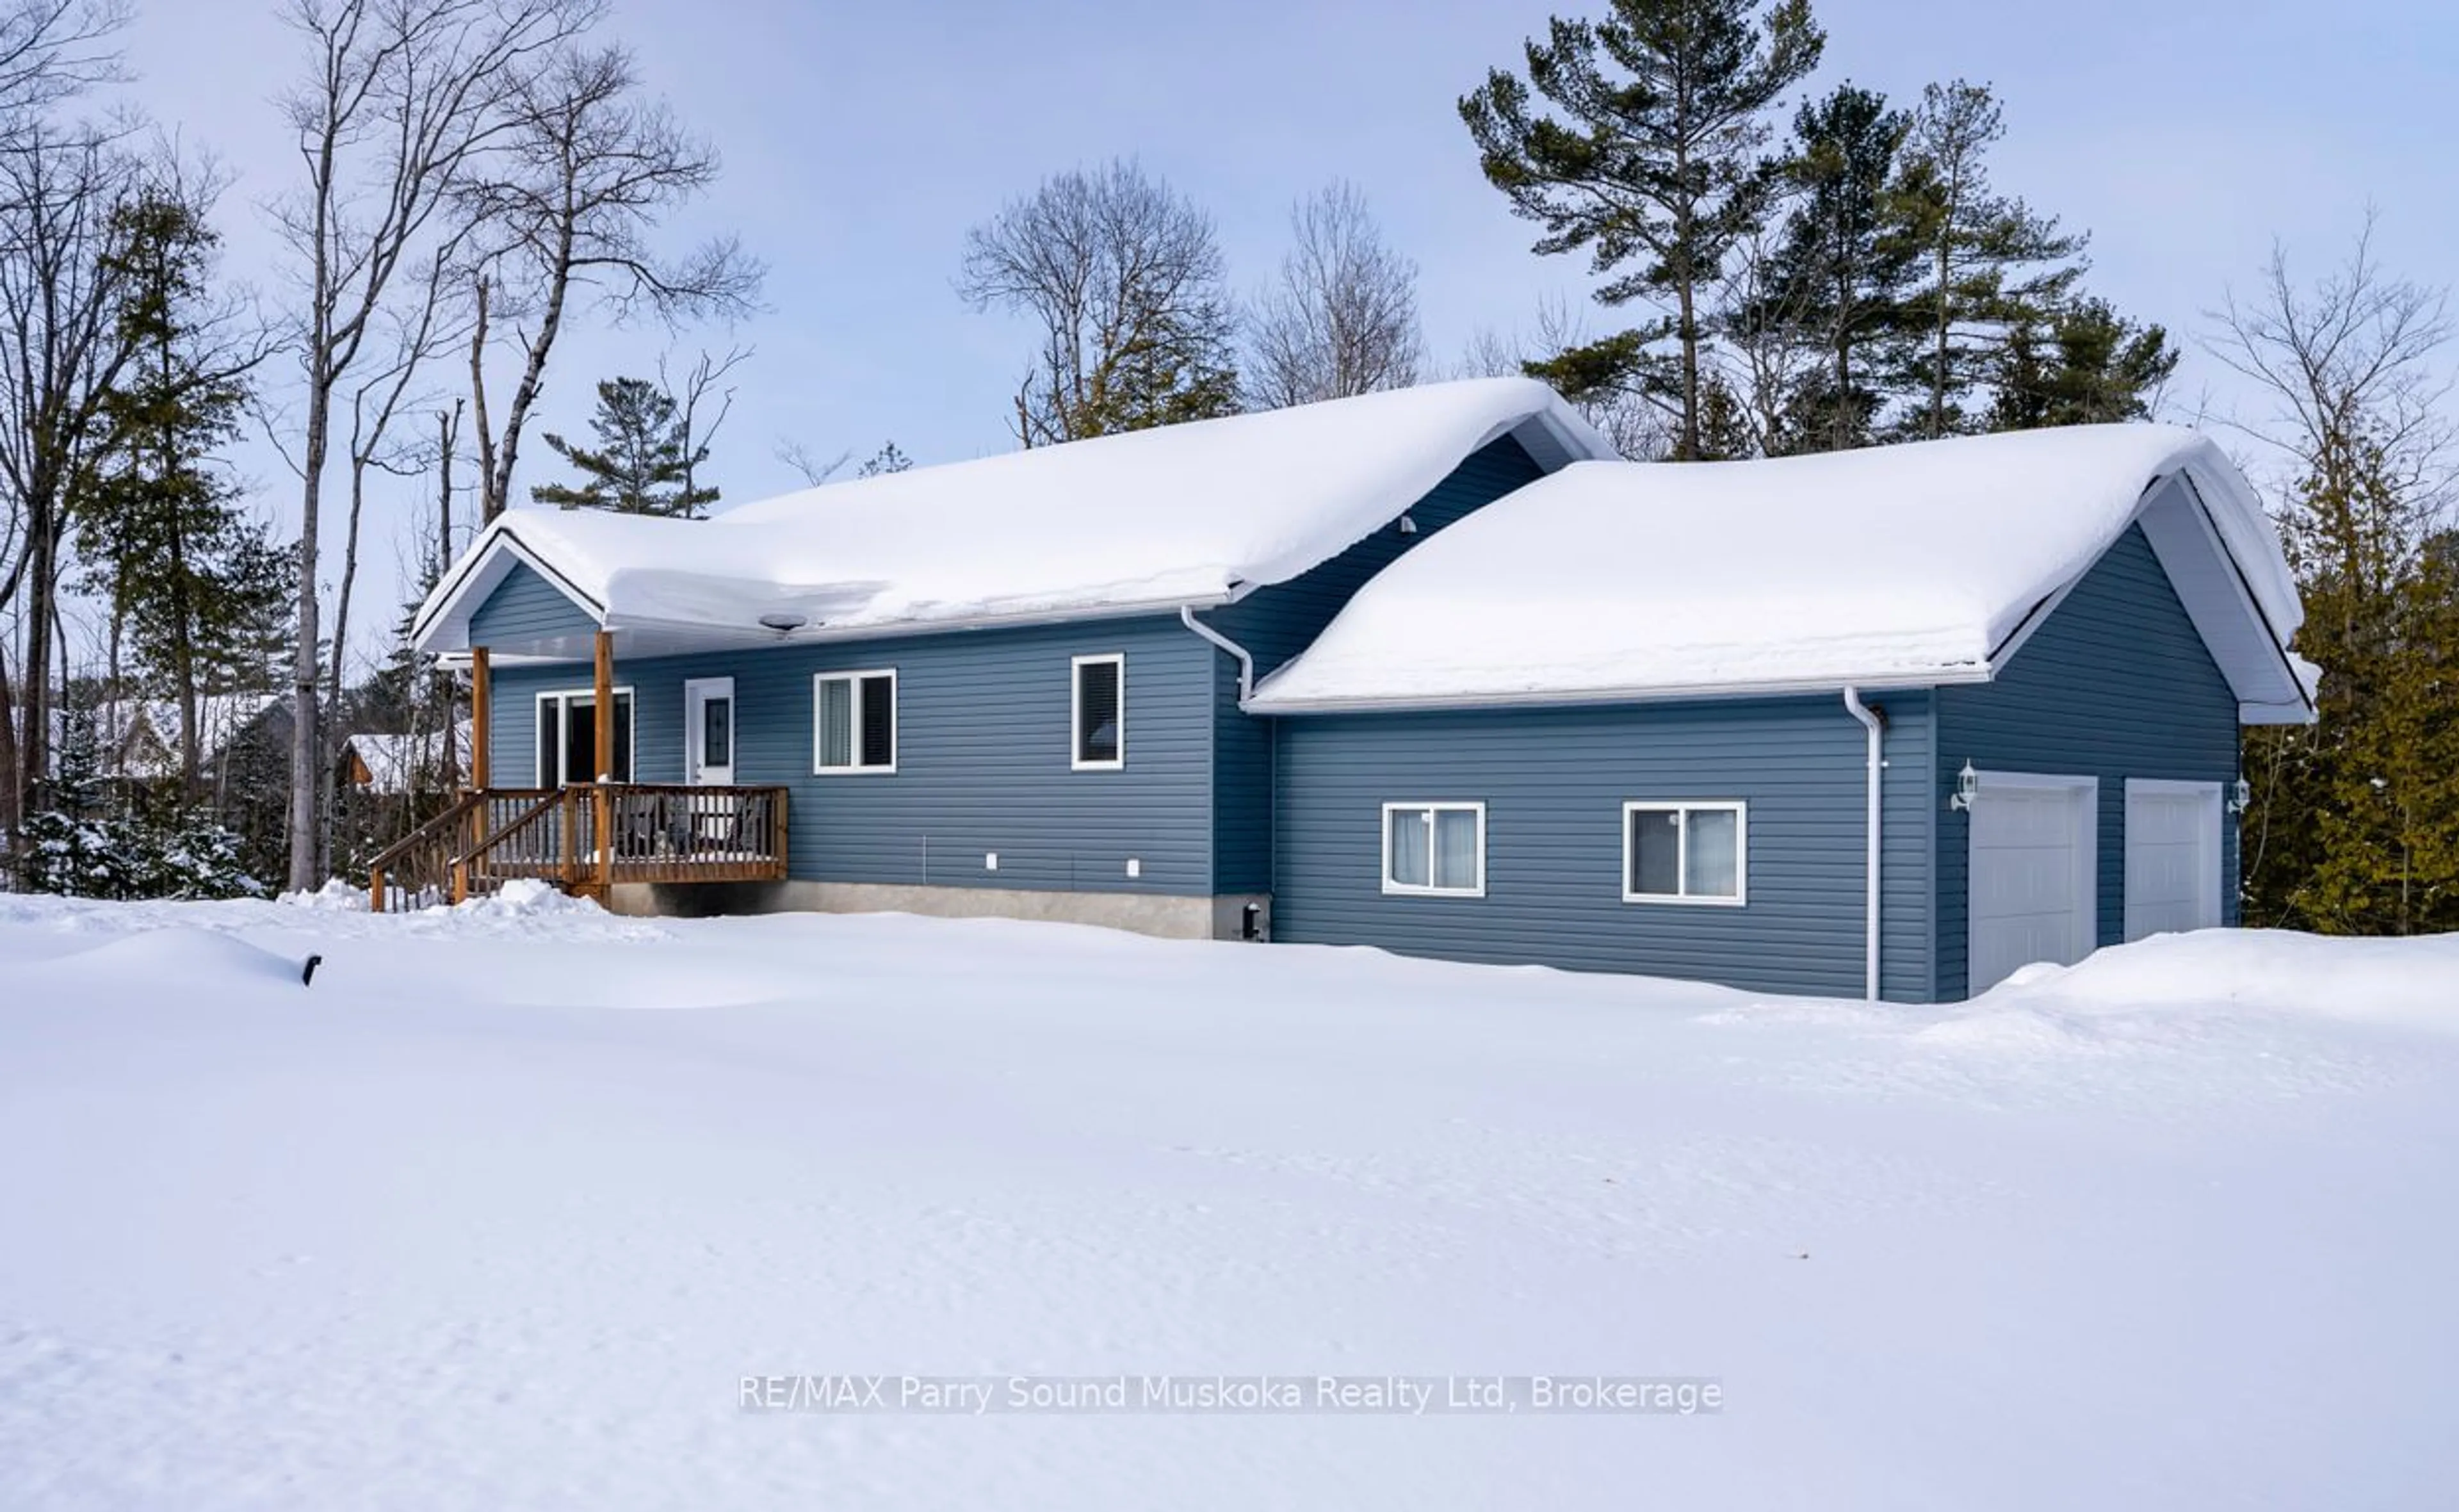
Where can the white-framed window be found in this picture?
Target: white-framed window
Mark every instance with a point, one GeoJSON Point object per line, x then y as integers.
{"type": "Point", "coordinates": [853, 722]}
{"type": "Point", "coordinates": [1686, 852]}
{"type": "Point", "coordinates": [567, 736]}
{"type": "Point", "coordinates": [1434, 850]}
{"type": "Point", "coordinates": [1096, 712]}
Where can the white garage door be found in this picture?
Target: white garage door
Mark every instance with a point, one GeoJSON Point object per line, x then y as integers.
{"type": "Point", "coordinates": [2173, 856]}
{"type": "Point", "coordinates": [2032, 874]}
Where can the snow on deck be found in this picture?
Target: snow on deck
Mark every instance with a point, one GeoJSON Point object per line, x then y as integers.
{"type": "Point", "coordinates": [1901, 564]}
{"type": "Point", "coordinates": [1178, 513]}
{"type": "Point", "coordinates": [502, 1209]}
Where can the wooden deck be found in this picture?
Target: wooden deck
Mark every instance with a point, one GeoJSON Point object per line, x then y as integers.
{"type": "Point", "coordinates": [584, 839]}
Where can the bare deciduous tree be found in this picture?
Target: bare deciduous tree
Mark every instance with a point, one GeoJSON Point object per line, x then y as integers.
{"type": "Point", "coordinates": [397, 100]}
{"type": "Point", "coordinates": [417, 331]}
{"type": "Point", "coordinates": [1124, 277]}
{"type": "Point", "coordinates": [703, 399]}
{"type": "Point", "coordinates": [1763, 361]}
{"type": "Point", "coordinates": [807, 462]}
{"type": "Point", "coordinates": [61, 350]}
{"type": "Point", "coordinates": [2351, 361]}
{"type": "Point", "coordinates": [1342, 320]}
{"type": "Point", "coordinates": [51, 51]}
{"type": "Point", "coordinates": [589, 169]}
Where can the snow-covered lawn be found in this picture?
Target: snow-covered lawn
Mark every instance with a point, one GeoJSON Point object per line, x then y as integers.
{"type": "Point", "coordinates": [503, 1209]}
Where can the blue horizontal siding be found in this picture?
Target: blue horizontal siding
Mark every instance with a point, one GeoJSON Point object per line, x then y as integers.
{"type": "Point", "coordinates": [1277, 622]}
{"type": "Point", "coordinates": [1907, 840]}
{"type": "Point", "coordinates": [2115, 684]}
{"type": "Point", "coordinates": [1242, 788]}
{"type": "Point", "coordinates": [525, 609]}
{"type": "Point", "coordinates": [982, 755]}
{"type": "Point", "coordinates": [1554, 781]}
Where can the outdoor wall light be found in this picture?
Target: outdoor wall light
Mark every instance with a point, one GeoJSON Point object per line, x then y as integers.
{"type": "Point", "coordinates": [1967, 787]}
{"type": "Point", "coordinates": [2241, 797]}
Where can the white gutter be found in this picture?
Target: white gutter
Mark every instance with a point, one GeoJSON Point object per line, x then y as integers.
{"type": "Point", "coordinates": [1870, 722]}
{"type": "Point", "coordinates": [725, 638]}
{"type": "Point", "coordinates": [1246, 662]}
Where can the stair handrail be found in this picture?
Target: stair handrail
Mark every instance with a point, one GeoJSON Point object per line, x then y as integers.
{"type": "Point", "coordinates": [425, 835]}
{"type": "Point", "coordinates": [462, 865]}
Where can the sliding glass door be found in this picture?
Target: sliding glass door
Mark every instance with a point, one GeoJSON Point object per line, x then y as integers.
{"type": "Point", "coordinates": [567, 737]}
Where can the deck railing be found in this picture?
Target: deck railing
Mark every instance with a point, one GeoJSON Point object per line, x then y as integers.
{"type": "Point", "coordinates": [697, 834]}
{"type": "Point", "coordinates": [659, 834]}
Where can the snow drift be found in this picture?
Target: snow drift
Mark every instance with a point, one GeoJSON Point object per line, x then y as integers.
{"type": "Point", "coordinates": [463, 1225]}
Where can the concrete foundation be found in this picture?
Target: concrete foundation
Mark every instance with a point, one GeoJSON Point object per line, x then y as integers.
{"type": "Point", "coordinates": [1224, 916]}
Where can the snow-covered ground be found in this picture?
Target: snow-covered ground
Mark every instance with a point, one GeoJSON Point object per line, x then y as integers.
{"type": "Point", "coordinates": [503, 1209]}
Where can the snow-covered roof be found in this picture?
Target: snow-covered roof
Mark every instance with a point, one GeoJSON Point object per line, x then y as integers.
{"type": "Point", "coordinates": [1182, 515]}
{"type": "Point", "coordinates": [393, 760]}
{"type": "Point", "coordinates": [1895, 566]}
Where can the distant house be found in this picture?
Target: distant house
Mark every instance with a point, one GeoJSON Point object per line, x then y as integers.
{"type": "Point", "coordinates": [1424, 670]}
{"type": "Point", "coordinates": [138, 740]}
{"type": "Point", "coordinates": [398, 764]}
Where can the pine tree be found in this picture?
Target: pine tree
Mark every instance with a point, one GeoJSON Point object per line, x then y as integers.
{"type": "Point", "coordinates": [191, 576]}
{"type": "Point", "coordinates": [644, 460]}
{"type": "Point", "coordinates": [1841, 269]}
{"type": "Point", "coordinates": [1986, 264]}
{"type": "Point", "coordinates": [2355, 828]}
{"type": "Point", "coordinates": [1649, 159]}
{"type": "Point", "coordinates": [1169, 377]}
{"type": "Point", "coordinates": [73, 845]}
{"type": "Point", "coordinates": [90, 842]}
{"type": "Point", "coordinates": [2082, 364]}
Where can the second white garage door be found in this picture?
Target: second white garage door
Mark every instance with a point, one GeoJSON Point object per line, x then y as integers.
{"type": "Point", "coordinates": [2032, 855]}
{"type": "Point", "coordinates": [2173, 856]}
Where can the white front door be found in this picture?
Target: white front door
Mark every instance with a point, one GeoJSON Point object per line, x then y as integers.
{"type": "Point", "coordinates": [2173, 856]}
{"type": "Point", "coordinates": [2031, 895]}
{"type": "Point", "coordinates": [709, 732]}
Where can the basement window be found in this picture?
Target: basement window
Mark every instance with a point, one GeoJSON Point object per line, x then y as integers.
{"type": "Point", "coordinates": [1098, 713]}
{"type": "Point", "coordinates": [1685, 852]}
{"type": "Point", "coordinates": [1434, 850]}
{"type": "Point", "coordinates": [854, 722]}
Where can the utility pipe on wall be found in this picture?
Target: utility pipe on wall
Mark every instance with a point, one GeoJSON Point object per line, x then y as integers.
{"type": "Point", "coordinates": [1877, 727]}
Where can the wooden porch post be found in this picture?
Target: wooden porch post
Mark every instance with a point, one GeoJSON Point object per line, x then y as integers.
{"type": "Point", "coordinates": [479, 718]}
{"type": "Point", "coordinates": [605, 794]}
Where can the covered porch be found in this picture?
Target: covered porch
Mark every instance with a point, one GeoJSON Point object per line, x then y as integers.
{"type": "Point", "coordinates": [583, 825]}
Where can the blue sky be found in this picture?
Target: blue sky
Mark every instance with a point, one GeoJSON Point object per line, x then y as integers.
{"type": "Point", "coordinates": [860, 142]}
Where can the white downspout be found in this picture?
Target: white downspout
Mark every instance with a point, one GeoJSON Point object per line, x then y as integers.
{"type": "Point", "coordinates": [1246, 662]}
{"type": "Point", "coordinates": [1877, 764]}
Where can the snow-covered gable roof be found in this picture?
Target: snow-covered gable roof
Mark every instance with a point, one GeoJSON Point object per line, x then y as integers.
{"type": "Point", "coordinates": [1183, 515]}
{"type": "Point", "coordinates": [1895, 566]}
{"type": "Point", "coordinates": [396, 762]}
